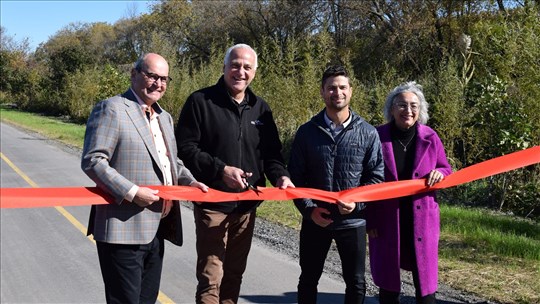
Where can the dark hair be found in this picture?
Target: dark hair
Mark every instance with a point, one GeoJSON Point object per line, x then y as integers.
{"type": "Point", "coordinates": [333, 71]}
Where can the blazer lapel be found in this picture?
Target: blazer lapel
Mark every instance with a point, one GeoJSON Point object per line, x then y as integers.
{"type": "Point", "coordinates": [136, 115]}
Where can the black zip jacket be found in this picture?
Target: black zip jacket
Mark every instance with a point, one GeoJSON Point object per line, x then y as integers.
{"type": "Point", "coordinates": [320, 161]}
{"type": "Point", "coordinates": [213, 131]}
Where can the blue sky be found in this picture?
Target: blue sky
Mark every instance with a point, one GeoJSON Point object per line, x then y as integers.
{"type": "Point", "coordinates": [38, 20]}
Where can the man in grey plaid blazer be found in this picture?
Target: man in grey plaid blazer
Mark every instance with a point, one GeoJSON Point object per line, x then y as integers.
{"type": "Point", "coordinates": [130, 143]}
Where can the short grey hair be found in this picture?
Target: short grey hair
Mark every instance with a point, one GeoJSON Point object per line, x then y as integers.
{"type": "Point", "coordinates": [411, 87]}
{"type": "Point", "coordinates": [239, 46]}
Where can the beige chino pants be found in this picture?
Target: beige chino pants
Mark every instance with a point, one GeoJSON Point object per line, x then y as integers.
{"type": "Point", "coordinates": [223, 244]}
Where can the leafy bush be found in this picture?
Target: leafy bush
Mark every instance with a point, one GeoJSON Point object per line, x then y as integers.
{"type": "Point", "coordinates": [85, 89]}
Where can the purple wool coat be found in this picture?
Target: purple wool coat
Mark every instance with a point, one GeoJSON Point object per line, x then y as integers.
{"type": "Point", "coordinates": [384, 250]}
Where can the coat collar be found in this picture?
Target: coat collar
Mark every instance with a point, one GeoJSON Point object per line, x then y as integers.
{"type": "Point", "coordinates": [423, 142]}
{"type": "Point", "coordinates": [320, 121]}
{"type": "Point", "coordinates": [250, 96]}
{"type": "Point", "coordinates": [130, 95]}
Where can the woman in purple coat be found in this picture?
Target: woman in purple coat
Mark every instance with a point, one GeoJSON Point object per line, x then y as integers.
{"type": "Point", "coordinates": [404, 232]}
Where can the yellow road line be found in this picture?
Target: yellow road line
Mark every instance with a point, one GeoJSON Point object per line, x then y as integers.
{"type": "Point", "coordinates": [18, 171]}
{"type": "Point", "coordinates": [60, 209]}
{"type": "Point", "coordinates": [162, 298]}
{"type": "Point", "coordinates": [74, 221]}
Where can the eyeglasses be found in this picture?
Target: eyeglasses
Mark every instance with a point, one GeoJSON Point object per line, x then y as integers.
{"type": "Point", "coordinates": [403, 106]}
{"type": "Point", "coordinates": [155, 77]}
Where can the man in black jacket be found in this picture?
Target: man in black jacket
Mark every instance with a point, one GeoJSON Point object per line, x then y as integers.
{"type": "Point", "coordinates": [336, 150]}
{"type": "Point", "coordinates": [227, 137]}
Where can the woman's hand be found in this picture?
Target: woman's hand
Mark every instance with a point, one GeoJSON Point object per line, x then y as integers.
{"type": "Point", "coordinates": [434, 177]}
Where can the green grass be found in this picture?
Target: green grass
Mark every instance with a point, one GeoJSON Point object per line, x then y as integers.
{"type": "Point", "coordinates": [283, 212]}
{"type": "Point", "coordinates": [54, 128]}
{"type": "Point", "coordinates": [494, 255]}
{"type": "Point", "coordinates": [492, 233]}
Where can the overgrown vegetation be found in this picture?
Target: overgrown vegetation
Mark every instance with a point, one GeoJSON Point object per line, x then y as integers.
{"type": "Point", "coordinates": [477, 59]}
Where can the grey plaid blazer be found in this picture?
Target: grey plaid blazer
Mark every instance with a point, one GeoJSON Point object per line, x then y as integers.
{"type": "Point", "coordinates": [119, 152]}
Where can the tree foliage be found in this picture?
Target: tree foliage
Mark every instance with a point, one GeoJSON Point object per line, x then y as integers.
{"type": "Point", "coordinates": [477, 60]}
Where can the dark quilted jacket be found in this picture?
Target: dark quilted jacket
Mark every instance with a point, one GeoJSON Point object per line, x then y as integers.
{"type": "Point", "coordinates": [352, 159]}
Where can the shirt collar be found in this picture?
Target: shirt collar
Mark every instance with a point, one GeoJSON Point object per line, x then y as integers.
{"type": "Point", "coordinates": [332, 125]}
{"type": "Point", "coordinates": [244, 101]}
{"type": "Point", "coordinates": [155, 107]}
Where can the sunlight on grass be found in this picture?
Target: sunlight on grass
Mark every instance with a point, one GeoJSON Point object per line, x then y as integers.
{"type": "Point", "coordinates": [496, 279]}
{"type": "Point", "coordinates": [283, 212]}
{"type": "Point", "coordinates": [490, 254]}
{"type": "Point", "coordinates": [68, 133]}
{"type": "Point", "coordinates": [495, 233]}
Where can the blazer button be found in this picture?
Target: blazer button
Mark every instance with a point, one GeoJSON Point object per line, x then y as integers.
{"type": "Point", "coordinates": [415, 173]}
{"type": "Point", "coordinates": [418, 207]}
{"type": "Point", "coordinates": [419, 239]}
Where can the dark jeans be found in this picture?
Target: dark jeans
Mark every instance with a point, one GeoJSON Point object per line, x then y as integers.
{"type": "Point", "coordinates": [315, 242]}
{"type": "Point", "coordinates": [131, 273]}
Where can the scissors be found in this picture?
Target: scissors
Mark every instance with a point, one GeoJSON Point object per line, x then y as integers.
{"type": "Point", "coordinates": [249, 186]}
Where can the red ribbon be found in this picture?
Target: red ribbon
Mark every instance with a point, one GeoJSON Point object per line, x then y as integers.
{"type": "Point", "coordinates": [80, 196]}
